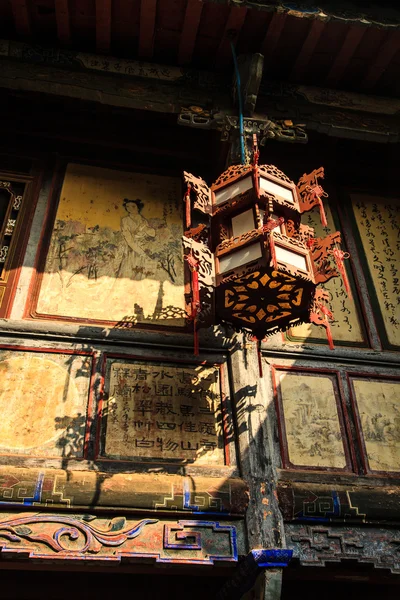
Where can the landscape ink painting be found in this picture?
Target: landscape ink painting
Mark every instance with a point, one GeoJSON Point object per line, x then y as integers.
{"type": "Point", "coordinates": [379, 415]}
{"type": "Point", "coordinates": [313, 433]}
{"type": "Point", "coordinates": [115, 250]}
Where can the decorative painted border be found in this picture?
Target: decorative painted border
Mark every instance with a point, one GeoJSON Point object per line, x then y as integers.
{"type": "Point", "coordinates": [360, 437]}
{"type": "Point", "coordinates": [82, 539]}
{"type": "Point", "coordinates": [351, 463]}
{"type": "Point", "coordinates": [227, 418]}
{"type": "Point", "coordinates": [90, 403]}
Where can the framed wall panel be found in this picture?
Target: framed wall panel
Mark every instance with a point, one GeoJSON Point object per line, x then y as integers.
{"type": "Point", "coordinates": [160, 411]}
{"type": "Point", "coordinates": [376, 405]}
{"type": "Point", "coordinates": [113, 251]}
{"type": "Point", "coordinates": [45, 402]}
{"type": "Point", "coordinates": [312, 420]}
{"type": "Point", "coordinates": [376, 225]}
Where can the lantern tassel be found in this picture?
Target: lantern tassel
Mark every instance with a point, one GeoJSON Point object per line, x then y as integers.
{"type": "Point", "coordinates": [272, 250]}
{"type": "Point", "coordinates": [188, 207]}
{"type": "Point", "coordinates": [328, 315]}
{"type": "Point", "coordinates": [322, 213]}
{"type": "Point", "coordinates": [195, 304]}
{"type": "Point", "coordinates": [339, 255]}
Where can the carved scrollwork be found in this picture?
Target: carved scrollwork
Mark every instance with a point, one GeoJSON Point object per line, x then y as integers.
{"type": "Point", "coordinates": [310, 192]}
{"type": "Point", "coordinates": [17, 202]}
{"type": "Point", "coordinates": [238, 240]}
{"type": "Point", "coordinates": [69, 534]}
{"type": "Point", "coordinates": [322, 256]}
{"type": "Point", "coordinates": [232, 173]}
{"type": "Point", "coordinates": [275, 172]}
{"type": "Point", "coordinates": [206, 275]}
{"type": "Point", "coordinates": [201, 191]}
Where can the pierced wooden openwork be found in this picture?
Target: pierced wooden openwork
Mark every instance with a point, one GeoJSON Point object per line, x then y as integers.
{"type": "Point", "coordinates": [267, 264]}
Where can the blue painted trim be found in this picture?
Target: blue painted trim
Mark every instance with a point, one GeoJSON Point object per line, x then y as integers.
{"type": "Point", "coordinates": [37, 494]}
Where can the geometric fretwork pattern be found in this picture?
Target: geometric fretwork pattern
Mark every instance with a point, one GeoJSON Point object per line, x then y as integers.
{"type": "Point", "coordinates": [265, 300]}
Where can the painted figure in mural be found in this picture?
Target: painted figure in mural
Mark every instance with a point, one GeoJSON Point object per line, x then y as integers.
{"type": "Point", "coordinates": [136, 233]}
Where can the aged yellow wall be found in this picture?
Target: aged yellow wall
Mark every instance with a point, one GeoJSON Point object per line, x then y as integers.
{"type": "Point", "coordinates": [43, 403]}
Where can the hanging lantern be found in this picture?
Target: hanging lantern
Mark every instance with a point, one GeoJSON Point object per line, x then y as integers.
{"type": "Point", "coordinates": [267, 265]}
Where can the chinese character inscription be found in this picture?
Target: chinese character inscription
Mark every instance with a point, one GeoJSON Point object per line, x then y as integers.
{"type": "Point", "coordinates": [163, 412]}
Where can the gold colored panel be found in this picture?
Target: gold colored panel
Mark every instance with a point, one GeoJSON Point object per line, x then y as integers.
{"type": "Point", "coordinates": [379, 411]}
{"type": "Point", "coordinates": [163, 412]}
{"type": "Point", "coordinates": [43, 403]}
{"type": "Point", "coordinates": [378, 223]}
{"type": "Point", "coordinates": [2, 292]}
{"type": "Point", "coordinates": [112, 260]}
{"type": "Point", "coordinates": [346, 327]}
{"type": "Point", "coordinates": [311, 419]}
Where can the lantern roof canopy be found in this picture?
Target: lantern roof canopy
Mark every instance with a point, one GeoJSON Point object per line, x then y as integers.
{"type": "Point", "coordinates": [235, 172]}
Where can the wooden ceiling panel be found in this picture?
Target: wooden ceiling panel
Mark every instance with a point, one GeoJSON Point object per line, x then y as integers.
{"type": "Point", "coordinates": [190, 29]}
{"type": "Point", "coordinates": [83, 22]}
{"type": "Point", "coordinates": [148, 11]}
{"type": "Point", "coordinates": [211, 29]}
{"type": "Point", "coordinates": [304, 57]}
{"type": "Point", "coordinates": [63, 21]}
{"type": "Point", "coordinates": [125, 26]}
{"type": "Point", "coordinates": [231, 32]}
{"type": "Point", "coordinates": [103, 25]}
{"type": "Point", "coordinates": [382, 60]}
{"type": "Point", "coordinates": [170, 14]}
{"type": "Point", "coordinates": [272, 36]}
{"type": "Point", "coordinates": [22, 17]}
{"type": "Point", "coordinates": [343, 57]}
{"type": "Point", "coordinates": [253, 32]}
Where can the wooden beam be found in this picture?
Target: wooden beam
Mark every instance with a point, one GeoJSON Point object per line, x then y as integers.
{"type": "Point", "coordinates": [189, 31]}
{"type": "Point", "coordinates": [147, 27]}
{"type": "Point", "coordinates": [63, 21]}
{"type": "Point", "coordinates": [103, 25]}
{"type": "Point", "coordinates": [382, 60]}
{"type": "Point", "coordinates": [307, 50]}
{"type": "Point", "coordinates": [272, 36]}
{"type": "Point", "coordinates": [21, 17]}
{"type": "Point", "coordinates": [352, 41]}
{"type": "Point", "coordinates": [233, 26]}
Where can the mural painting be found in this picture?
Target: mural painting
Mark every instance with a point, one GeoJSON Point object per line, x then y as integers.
{"type": "Point", "coordinates": [311, 420]}
{"type": "Point", "coordinates": [43, 403]}
{"type": "Point", "coordinates": [163, 412]}
{"type": "Point", "coordinates": [115, 250]}
{"type": "Point", "coordinates": [379, 414]}
{"type": "Point", "coordinates": [346, 325]}
{"type": "Point", "coordinates": [378, 223]}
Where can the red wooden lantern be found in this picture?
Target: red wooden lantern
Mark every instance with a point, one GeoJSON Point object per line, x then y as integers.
{"type": "Point", "coordinates": [267, 264]}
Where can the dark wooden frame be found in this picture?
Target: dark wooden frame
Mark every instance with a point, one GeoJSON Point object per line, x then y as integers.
{"type": "Point", "coordinates": [226, 413]}
{"type": "Point", "coordinates": [344, 423]}
{"type": "Point", "coordinates": [19, 240]}
{"type": "Point", "coordinates": [44, 245]}
{"type": "Point", "coordinates": [360, 436]}
{"type": "Point", "coordinates": [89, 406]}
